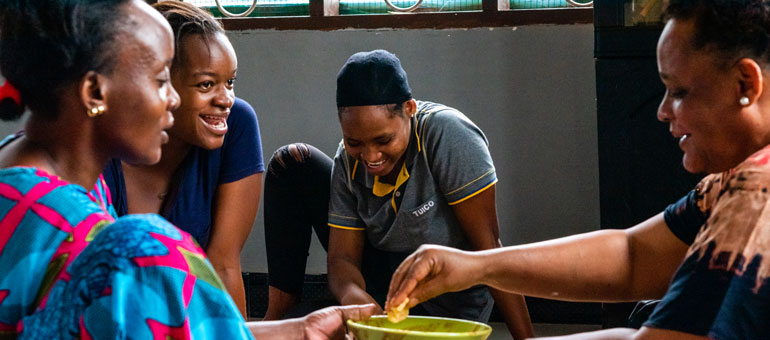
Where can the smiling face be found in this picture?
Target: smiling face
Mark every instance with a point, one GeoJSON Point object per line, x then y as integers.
{"type": "Point", "coordinates": [376, 137]}
{"type": "Point", "coordinates": [140, 96]}
{"type": "Point", "coordinates": [205, 78]}
{"type": "Point", "coordinates": [701, 103]}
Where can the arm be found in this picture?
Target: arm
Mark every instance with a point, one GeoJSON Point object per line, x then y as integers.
{"type": "Point", "coordinates": [606, 265]}
{"type": "Point", "coordinates": [645, 333]}
{"type": "Point", "coordinates": [478, 218]}
{"type": "Point", "coordinates": [235, 207]}
{"type": "Point", "coordinates": [327, 323]}
{"type": "Point", "coordinates": [344, 266]}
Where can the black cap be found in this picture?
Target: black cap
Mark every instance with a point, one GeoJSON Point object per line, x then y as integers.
{"type": "Point", "coordinates": [372, 78]}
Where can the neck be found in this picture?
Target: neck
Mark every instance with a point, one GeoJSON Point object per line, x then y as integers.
{"type": "Point", "coordinates": [50, 145]}
{"type": "Point", "coordinates": [172, 155]}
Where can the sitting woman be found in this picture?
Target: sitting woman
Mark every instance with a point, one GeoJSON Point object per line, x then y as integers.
{"type": "Point", "coordinates": [406, 173]}
{"type": "Point", "coordinates": [95, 77]}
{"type": "Point", "coordinates": [705, 255]}
{"type": "Point", "coordinates": [209, 179]}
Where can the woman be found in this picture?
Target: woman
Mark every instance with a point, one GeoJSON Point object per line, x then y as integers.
{"type": "Point", "coordinates": [209, 180]}
{"type": "Point", "coordinates": [704, 255]}
{"type": "Point", "coordinates": [406, 173]}
{"type": "Point", "coordinates": [95, 77]}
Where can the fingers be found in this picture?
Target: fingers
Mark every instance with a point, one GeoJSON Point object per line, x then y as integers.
{"type": "Point", "coordinates": [398, 277]}
{"type": "Point", "coordinates": [413, 271]}
{"type": "Point", "coordinates": [357, 312]}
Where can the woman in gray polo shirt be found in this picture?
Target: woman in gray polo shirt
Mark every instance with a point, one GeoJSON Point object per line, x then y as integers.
{"type": "Point", "coordinates": [406, 173]}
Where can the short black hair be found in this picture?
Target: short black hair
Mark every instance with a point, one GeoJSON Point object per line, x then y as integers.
{"type": "Point", "coordinates": [732, 28]}
{"type": "Point", "coordinates": [45, 45]}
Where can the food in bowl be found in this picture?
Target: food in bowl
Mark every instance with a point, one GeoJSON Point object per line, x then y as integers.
{"type": "Point", "coordinates": [418, 328]}
{"type": "Point", "coordinates": [398, 313]}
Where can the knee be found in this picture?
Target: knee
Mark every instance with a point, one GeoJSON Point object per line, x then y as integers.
{"type": "Point", "coordinates": [287, 156]}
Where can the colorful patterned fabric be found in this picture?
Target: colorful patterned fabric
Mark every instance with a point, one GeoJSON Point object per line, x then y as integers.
{"type": "Point", "coordinates": [140, 278]}
{"type": "Point", "coordinates": [67, 271]}
{"type": "Point", "coordinates": [722, 289]}
{"type": "Point", "coordinates": [44, 224]}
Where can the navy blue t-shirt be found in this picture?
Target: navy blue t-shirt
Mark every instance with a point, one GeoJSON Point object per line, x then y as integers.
{"type": "Point", "coordinates": [190, 206]}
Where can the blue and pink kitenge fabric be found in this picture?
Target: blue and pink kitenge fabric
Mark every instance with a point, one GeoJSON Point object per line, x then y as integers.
{"type": "Point", "coordinates": [69, 270]}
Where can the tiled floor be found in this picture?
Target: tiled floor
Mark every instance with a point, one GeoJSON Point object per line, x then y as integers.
{"type": "Point", "coordinates": [500, 332]}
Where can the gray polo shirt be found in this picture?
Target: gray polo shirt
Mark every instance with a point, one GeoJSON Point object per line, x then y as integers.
{"type": "Point", "coordinates": [447, 161]}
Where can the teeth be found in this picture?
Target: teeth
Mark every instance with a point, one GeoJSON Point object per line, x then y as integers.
{"type": "Point", "coordinates": [375, 164]}
{"type": "Point", "coordinates": [681, 139]}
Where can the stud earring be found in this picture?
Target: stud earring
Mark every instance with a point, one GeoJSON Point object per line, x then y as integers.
{"type": "Point", "coordinates": [744, 101]}
{"type": "Point", "coordinates": [95, 111]}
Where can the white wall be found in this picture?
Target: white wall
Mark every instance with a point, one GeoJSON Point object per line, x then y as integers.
{"type": "Point", "coordinates": [531, 89]}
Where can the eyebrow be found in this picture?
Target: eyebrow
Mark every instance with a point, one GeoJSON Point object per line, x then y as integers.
{"type": "Point", "coordinates": [209, 73]}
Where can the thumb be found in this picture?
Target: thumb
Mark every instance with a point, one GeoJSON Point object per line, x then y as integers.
{"type": "Point", "coordinates": [357, 312]}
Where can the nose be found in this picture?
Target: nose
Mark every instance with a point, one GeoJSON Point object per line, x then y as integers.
{"type": "Point", "coordinates": [224, 98]}
{"type": "Point", "coordinates": [173, 98]}
{"type": "Point", "coordinates": [664, 109]}
{"type": "Point", "coordinates": [370, 154]}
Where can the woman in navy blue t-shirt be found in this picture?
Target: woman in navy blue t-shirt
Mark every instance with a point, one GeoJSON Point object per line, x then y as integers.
{"type": "Point", "coordinates": [209, 179]}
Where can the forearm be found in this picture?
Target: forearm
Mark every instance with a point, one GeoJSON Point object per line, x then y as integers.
{"type": "Point", "coordinates": [514, 310]}
{"type": "Point", "coordinates": [277, 330]}
{"type": "Point", "coordinates": [232, 278]}
{"type": "Point", "coordinates": [588, 267]}
{"type": "Point", "coordinates": [347, 284]}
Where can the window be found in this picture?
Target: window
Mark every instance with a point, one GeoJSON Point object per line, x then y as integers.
{"type": "Point", "coordinates": [369, 14]}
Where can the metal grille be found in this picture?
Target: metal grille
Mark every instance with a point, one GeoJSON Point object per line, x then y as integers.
{"type": "Point", "coordinates": [265, 8]}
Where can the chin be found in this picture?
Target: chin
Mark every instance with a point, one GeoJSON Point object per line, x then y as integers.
{"type": "Point", "coordinates": [211, 143]}
{"type": "Point", "coordinates": [695, 166]}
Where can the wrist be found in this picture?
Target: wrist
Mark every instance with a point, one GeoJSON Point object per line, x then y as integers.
{"type": "Point", "coordinates": [486, 274]}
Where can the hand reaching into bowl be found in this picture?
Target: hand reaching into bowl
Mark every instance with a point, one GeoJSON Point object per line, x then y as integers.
{"type": "Point", "coordinates": [431, 271]}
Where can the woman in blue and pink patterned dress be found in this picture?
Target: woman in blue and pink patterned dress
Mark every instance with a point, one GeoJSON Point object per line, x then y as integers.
{"type": "Point", "coordinates": [95, 78]}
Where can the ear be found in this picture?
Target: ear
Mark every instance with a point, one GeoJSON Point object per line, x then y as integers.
{"type": "Point", "coordinates": [750, 79]}
{"type": "Point", "coordinates": [93, 90]}
{"type": "Point", "coordinates": [410, 107]}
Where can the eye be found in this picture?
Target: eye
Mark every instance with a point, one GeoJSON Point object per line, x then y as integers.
{"type": "Point", "coordinates": [163, 78]}
{"type": "Point", "coordinates": [205, 85]}
{"type": "Point", "coordinates": [353, 144]}
{"type": "Point", "coordinates": [677, 93]}
{"type": "Point", "coordinates": [231, 82]}
{"type": "Point", "coordinates": [384, 141]}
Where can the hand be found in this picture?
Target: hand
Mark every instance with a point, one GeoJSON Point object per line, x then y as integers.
{"type": "Point", "coordinates": [431, 271]}
{"type": "Point", "coordinates": [329, 323]}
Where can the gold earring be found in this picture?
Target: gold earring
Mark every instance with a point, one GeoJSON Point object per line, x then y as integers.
{"type": "Point", "coordinates": [95, 111]}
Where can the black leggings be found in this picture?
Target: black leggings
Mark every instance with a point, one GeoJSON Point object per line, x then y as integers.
{"type": "Point", "coordinates": [296, 202]}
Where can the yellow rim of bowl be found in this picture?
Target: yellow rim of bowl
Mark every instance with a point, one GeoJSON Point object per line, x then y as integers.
{"type": "Point", "coordinates": [485, 328]}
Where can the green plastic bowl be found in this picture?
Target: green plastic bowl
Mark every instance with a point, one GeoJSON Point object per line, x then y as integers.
{"type": "Point", "coordinates": [418, 328]}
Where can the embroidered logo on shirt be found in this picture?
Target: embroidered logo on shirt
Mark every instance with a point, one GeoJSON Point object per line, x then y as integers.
{"type": "Point", "coordinates": [425, 207]}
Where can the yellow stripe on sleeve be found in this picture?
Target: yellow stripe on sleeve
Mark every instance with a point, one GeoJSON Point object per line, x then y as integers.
{"type": "Point", "coordinates": [346, 228]}
{"type": "Point", "coordinates": [473, 194]}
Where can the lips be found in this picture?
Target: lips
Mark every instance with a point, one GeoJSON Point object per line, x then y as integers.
{"type": "Point", "coordinates": [217, 124]}
{"type": "Point", "coordinates": [375, 167]}
{"type": "Point", "coordinates": [374, 164]}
